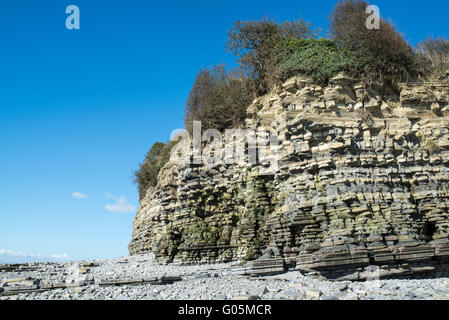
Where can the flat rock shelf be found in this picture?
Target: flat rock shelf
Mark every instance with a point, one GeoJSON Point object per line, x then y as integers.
{"type": "Point", "coordinates": [140, 277]}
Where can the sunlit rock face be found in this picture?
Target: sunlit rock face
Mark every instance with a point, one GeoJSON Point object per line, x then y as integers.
{"type": "Point", "coordinates": [357, 181]}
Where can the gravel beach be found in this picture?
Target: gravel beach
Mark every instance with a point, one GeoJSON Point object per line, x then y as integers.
{"type": "Point", "coordinates": [140, 278]}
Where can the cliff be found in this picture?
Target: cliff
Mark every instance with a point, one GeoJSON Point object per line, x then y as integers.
{"type": "Point", "coordinates": [357, 178]}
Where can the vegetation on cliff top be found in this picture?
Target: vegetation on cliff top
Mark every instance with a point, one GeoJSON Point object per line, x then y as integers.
{"type": "Point", "coordinates": [219, 99]}
{"type": "Point", "coordinates": [436, 56]}
{"type": "Point", "coordinates": [156, 158]}
{"type": "Point", "coordinates": [256, 44]}
{"type": "Point", "coordinates": [268, 53]}
{"type": "Point", "coordinates": [319, 59]}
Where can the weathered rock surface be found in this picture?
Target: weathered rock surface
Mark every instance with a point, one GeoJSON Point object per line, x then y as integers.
{"type": "Point", "coordinates": [271, 262]}
{"type": "Point", "coordinates": [360, 188]}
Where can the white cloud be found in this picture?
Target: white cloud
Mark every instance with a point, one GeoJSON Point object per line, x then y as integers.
{"type": "Point", "coordinates": [10, 256]}
{"type": "Point", "coordinates": [108, 195]}
{"type": "Point", "coordinates": [79, 195]}
{"type": "Point", "coordinates": [121, 206]}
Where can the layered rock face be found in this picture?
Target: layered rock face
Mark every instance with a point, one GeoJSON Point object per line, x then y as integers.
{"type": "Point", "coordinates": [361, 180]}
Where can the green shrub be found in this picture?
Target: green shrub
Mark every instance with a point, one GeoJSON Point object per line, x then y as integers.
{"type": "Point", "coordinates": [384, 50]}
{"type": "Point", "coordinates": [156, 158]}
{"type": "Point", "coordinates": [218, 99]}
{"type": "Point", "coordinates": [319, 59]}
{"type": "Point", "coordinates": [254, 43]}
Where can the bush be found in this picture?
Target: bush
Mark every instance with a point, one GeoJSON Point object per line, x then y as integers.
{"type": "Point", "coordinates": [156, 158]}
{"type": "Point", "coordinates": [255, 42]}
{"type": "Point", "coordinates": [319, 59]}
{"type": "Point", "coordinates": [385, 51]}
{"type": "Point", "coordinates": [218, 99]}
{"type": "Point", "coordinates": [436, 52]}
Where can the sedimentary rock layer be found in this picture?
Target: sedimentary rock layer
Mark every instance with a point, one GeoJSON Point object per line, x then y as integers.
{"type": "Point", "coordinates": [361, 180]}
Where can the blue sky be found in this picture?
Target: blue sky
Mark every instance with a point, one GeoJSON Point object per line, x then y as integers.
{"type": "Point", "coordinates": [79, 109]}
